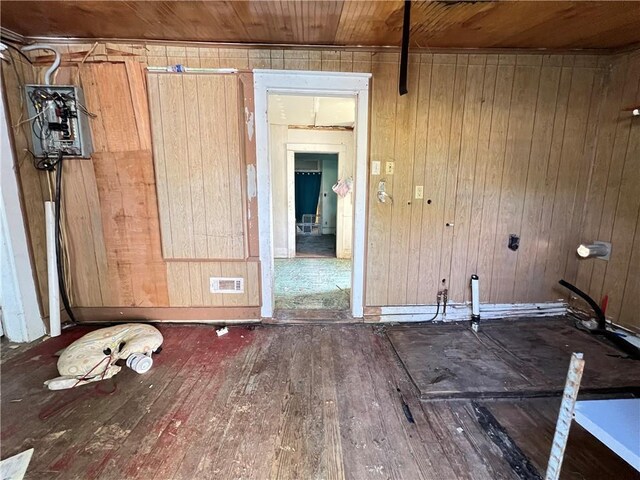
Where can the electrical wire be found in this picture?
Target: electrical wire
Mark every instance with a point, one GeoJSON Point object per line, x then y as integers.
{"type": "Point", "coordinates": [57, 407]}
{"type": "Point", "coordinates": [42, 112]}
{"type": "Point", "coordinates": [84, 59]}
{"type": "Point", "coordinates": [20, 82]}
{"type": "Point", "coordinates": [413, 324]}
{"type": "Point", "coordinates": [4, 42]}
{"type": "Point", "coordinates": [58, 235]}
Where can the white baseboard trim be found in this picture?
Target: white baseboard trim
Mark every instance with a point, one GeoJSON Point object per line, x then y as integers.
{"type": "Point", "coordinates": [462, 311]}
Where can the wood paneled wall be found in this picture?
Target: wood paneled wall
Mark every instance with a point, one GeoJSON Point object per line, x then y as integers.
{"type": "Point", "coordinates": [196, 132]}
{"type": "Point", "coordinates": [502, 144]}
{"type": "Point", "coordinates": [111, 215]}
{"type": "Point", "coordinates": [110, 205]}
{"type": "Point", "coordinates": [612, 205]}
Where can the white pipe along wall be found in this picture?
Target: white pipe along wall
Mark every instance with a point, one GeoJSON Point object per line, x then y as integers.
{"type": "Point", "coordinates": [52, 270]}
{"type": "Point", "coordinates": [475, 302]}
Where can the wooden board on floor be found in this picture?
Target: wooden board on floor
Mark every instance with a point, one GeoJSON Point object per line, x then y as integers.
{"type": "Point", "coordinates": [528, 357]}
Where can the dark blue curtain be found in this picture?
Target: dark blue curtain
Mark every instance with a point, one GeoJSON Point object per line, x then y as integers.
{"type": "Point", "coordinates": [307, 192]}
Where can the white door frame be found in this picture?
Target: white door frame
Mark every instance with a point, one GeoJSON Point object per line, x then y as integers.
{"type": "Point", "coordinates": [292, 149]}
{"type": "Point", "coordinates": [295, 82]}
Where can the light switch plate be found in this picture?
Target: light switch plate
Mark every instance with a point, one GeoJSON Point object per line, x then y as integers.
{"type": "Point", "coordinates": [419, 192]}
{"type": "Point", "coordinates": [389, 168]}
{"type": "Point", "coordinates": [375, 167]}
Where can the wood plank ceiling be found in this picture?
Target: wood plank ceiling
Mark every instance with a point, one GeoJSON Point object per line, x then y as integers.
{"type": "Point", "coordinates": [435, 24]}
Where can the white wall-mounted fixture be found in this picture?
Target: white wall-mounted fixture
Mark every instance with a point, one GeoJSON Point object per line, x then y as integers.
{"type": "Point", "coordinates": [475, 302]}
{"type": "Point", "coordinates": [600, 250]}
{"type": "Point", "coordinates": [635, 112]}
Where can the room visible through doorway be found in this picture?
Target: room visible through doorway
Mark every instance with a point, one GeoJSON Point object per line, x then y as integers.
{"type": "Point", "coordinates": [316, 204]}
{"type": "Point", "coordinates": [277, 140]}
{"type": "Point", "coordinates": [312, 163]}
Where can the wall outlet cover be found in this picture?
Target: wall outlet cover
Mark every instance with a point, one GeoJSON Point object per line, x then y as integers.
{"type": "Point", "coordinates": [389, 166]}
{"type": "Point", "coordinates": [375, 167]}
{"type": "Point", "coordinates": [419, 192]}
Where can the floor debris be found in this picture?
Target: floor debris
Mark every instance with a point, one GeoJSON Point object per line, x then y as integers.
{"type": "Point", "coordinates": [14, 468]}
{"type": "Point", "coordinates": [405, 408]}
{"type": "Point", "coordinates": [222, 331]}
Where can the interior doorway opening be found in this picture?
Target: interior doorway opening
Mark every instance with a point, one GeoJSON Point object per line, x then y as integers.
{"type": "Point", "coordinates": [354, 86]}
{"type": "Point", "coordinates": [316, 204]}
{"type": "Point", "coordinates": [312, 163]}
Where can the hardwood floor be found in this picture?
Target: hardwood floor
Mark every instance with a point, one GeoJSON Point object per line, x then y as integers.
{"type": "Point", "coordinates": [294, 402]}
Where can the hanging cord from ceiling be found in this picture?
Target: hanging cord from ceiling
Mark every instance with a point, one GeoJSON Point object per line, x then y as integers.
{"type": "Point", "coordinates": [84, 59]}
{"type": "Point", "coordinates": [56, 62]}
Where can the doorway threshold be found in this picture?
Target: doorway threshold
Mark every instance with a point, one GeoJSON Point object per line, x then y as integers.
{"type": "Point", "coordinates": [311, 317]}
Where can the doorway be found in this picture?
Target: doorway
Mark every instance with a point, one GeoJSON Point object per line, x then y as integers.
{"type": "Point", "coordinates": [312, 151]}
{"type": "Point", "coordinates": [316, 204]}
{"type": "Point", "coordinates": [314, 275]}
{"type": "Point", "coordinates": [273, 247]}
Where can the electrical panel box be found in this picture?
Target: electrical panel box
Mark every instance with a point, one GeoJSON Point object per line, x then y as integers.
{"type": "Point", "coordinates": [59, 121]}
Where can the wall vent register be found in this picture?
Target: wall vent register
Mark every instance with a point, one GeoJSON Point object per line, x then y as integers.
{"type": "Point", "coordinates": [226, 285]}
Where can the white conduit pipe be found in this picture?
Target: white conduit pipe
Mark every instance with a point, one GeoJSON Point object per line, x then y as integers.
{"type": "Point", "coordinates": [183, 69]}
{"type": "Point", "coordinates": [52, 270]}
{"type": "Point", "coordinates": [475, 302]}
{"type": "Point", "coordinates": [56, 62]}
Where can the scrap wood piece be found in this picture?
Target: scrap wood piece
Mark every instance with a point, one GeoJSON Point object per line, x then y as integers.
{"type": "Point", "coordinates": [565, 416]}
